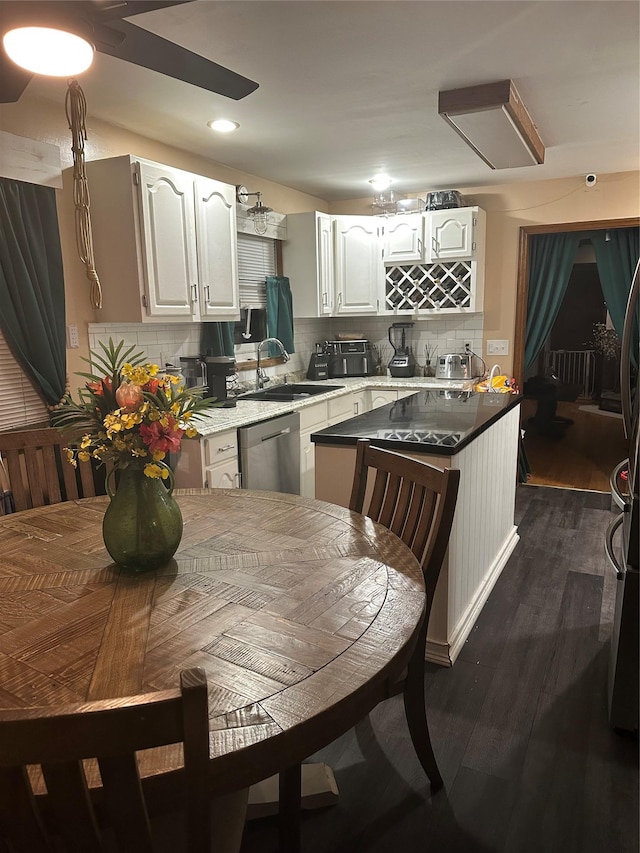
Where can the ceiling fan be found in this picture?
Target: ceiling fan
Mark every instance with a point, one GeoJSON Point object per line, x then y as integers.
{"type": "Point", "coordinates": [103, 23]}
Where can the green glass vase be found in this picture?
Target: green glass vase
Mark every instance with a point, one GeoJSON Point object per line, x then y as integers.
{"type": "Point", "coordinates": [142, 526]}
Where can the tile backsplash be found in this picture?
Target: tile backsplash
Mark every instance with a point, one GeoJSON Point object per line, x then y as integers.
{"type": "Point", "coordinates": [166, 342]}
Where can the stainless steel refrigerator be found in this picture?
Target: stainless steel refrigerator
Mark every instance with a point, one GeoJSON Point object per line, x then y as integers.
{"type": "Point", "coordinates": [625, 485]}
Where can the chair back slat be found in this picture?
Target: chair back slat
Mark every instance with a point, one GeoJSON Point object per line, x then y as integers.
{"type": "Point", "coordinates": [69, 801]}
{"type": "Point", "coordinates": [39, 471]}
{"type": "Point", "coordinates": [20, 820]}
{"type": "Point", "coordinates": [124, 801]}
{"type": "Point", "coordinates": [69, 816]}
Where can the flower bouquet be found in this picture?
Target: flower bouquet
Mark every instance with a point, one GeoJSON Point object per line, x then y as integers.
{"type": "Point", "coordinates": [129, 416]}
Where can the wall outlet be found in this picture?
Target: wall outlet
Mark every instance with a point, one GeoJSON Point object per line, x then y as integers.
{"type": "Point", "coordinates": [497, 347]}
{"type": "Point", "coordinates": [72, 336]}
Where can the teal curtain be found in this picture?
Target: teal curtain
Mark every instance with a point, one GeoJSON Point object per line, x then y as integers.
{"type": "Point", "coordinates": [279, 312]}
{"type": "Point", "coordinates": [32, 305]}
{"type": "Point", "coordinates": [551, 258]}
{"type": "Point", "coordinates": [617, 253]}
{"type": "Point", "coordinates": [217, 339]}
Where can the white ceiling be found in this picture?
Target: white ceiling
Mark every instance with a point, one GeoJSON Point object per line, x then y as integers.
{"type": "Point", "coordinates": [350, 88]}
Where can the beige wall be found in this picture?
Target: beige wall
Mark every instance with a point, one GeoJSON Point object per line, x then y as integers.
{"type": "Point", "coordinates": [45, 121]}
{"type": "Point", "coordinates": [509, 206]}
{"type": "Point", "coordinates": [512, 206]}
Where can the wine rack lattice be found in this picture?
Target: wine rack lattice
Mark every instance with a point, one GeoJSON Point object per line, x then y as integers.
{"type": "Point", "coordinates": [429, 286]}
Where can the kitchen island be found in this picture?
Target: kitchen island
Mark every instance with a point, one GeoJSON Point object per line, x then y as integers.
{"type": "Point", "coordinates": [474, 433]}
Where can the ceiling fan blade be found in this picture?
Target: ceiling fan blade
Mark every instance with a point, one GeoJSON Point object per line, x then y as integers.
{"type": "Point", "coordinates": [151, 51]}
{"type": "Point", "coordinates": [108, 10]}
{"type": "Point", "coordinates": [13, 80]}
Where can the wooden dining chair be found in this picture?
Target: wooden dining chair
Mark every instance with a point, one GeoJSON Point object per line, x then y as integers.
{"type": "Point", "coordinates": [68, 816]}
{"type": "Point", "coordinates": [416, 501]}
{"type": "Point", "coordinates": [39, 471]}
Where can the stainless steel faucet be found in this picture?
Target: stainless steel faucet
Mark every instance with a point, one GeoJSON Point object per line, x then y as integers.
{"type": "Point", "coordinates": [260, 375]}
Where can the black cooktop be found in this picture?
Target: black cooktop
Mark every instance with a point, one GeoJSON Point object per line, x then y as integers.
{"type": "Point", "coordinates": [440, 422]}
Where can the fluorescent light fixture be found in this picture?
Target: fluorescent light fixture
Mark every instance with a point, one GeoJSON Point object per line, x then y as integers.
{"type": "Point", "coordinates": [49, 51]}
{"type": "Point", "coordinates": [493, 121]}
{"type": "Point", "coordinates": [223, 125]}
{"type": "Point", "coordinates": [380, 182]}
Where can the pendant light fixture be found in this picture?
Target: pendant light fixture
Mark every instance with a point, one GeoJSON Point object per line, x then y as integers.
{"type": "Point", "coordinates": [49, 51]}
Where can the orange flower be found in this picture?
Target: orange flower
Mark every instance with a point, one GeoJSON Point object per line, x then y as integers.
{"type": "Point", "coordinates": [129, 396]}
{"type": "Point", "coordinates": [98, 387]}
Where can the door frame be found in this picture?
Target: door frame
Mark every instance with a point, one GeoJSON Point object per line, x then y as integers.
{"type": "Point", "coordinates": [522, 286]}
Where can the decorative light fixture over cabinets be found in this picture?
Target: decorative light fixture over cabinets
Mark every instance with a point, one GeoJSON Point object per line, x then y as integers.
{"type": "Point", "coordinates": [492, 120]}
{"type": "Point", "coordinates": [258, 212]}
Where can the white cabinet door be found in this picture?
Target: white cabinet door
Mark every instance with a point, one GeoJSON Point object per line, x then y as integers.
{"type": "Point", "coordinates": [307, 258]}
{"type": "Point", "coordinates": [168, 240]}
{"type": "Point", "coordinates": [215, 209]}
{"type": "Point", "coordinates": [359, 271]}
{"type": "Point", "coordinates": [381, 398]}
{"type": "Point", "coordinates": [361, 402]}
{"type": "Point", "coordinates": [403, 238]}
{"type": "Point", "coordinates": [454, 234]}
{"type": "Point", "coordinates": [223, 476]}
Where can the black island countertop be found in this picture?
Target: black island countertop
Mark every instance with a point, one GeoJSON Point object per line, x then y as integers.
{"type": "Point", "coordinates": [439, 422]}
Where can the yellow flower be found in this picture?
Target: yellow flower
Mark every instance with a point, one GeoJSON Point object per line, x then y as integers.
{"type": "Point", "coordinates": [83, 456]}
{"type": "Point", "coordinates": [158, 455]}
{"type": "Point", "coordinates": [155, 472]}
{"type": "Point", "coordinates": [191, 432]}
{"type": "Point", "coordinates": [86, 441]}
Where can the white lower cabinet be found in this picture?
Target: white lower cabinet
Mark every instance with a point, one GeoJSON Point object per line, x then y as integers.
{"type": "Point", "coordinates": [381, 398]}
{"type": "Point", "coordinates": [209, 463]}
{"type": "Point", "coordinates": [312, 419]}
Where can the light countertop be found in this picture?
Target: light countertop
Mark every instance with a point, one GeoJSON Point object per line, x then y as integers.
{"type": "Point", "coordinates": [252, 411]}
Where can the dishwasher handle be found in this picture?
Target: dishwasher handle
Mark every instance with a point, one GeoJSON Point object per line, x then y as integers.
{"type": "Point", "coordinates": [608, 546]}
{"type": "Point", "coordinates": [285, 431]}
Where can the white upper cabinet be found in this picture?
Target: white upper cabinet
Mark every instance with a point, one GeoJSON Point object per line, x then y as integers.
{"type": "Point", "coordinates": [454, 235]}
{"type": "Point", "coordinates": [403, 238]}
{"type": "Point", "coordinates": [215, 209]}
{"type": "Point", "coordinates": [307, 259]}
{"type": "Point", "coordinates": [164, 242]}
{"type": "Point", "coordinates": [359, 272]}
{"type": "Point", "coordinates": [168, 240]}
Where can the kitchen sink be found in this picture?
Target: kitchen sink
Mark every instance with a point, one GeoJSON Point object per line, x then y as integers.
{"type": "Point", "coordinates": [287, 393]}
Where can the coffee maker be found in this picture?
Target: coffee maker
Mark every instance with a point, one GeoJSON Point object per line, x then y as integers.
{"type": "Point", "coordinates": [403, 362]}
{"type": "Point", "coordinates": [211, 371]}
{"type": "Point", "coordinates": [217, 368]}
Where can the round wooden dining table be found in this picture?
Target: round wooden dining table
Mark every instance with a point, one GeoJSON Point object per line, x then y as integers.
{"type": "Point", "coordinates": [299, 611]}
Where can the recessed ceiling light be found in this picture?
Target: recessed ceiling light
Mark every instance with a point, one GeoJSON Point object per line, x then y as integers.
{"type": "Point", "coordinates": [380, 182]}
{"type": "Point", "coordinates": [46, 50]}
{"type": "Point", "coordinates": [223, 125]}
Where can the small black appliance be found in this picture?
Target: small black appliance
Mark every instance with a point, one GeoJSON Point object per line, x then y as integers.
{"type": "Point", "coordinates": [217, 368]}
{"type": "Point", "coordinates": [318, 364]}
{"type": "Point", "coordinates": [350, 358]}
{"type": "Point", "coordinates": [403, 362]}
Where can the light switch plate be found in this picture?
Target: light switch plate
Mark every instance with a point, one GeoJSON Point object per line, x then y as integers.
{"type": "Point", "coordinates": [497, 347]}
{"type": "Point", "coordinates": [72, 336]}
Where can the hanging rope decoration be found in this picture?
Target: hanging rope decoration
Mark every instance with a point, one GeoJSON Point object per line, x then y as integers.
{"type": "Point", "coordinates": [75, 107]}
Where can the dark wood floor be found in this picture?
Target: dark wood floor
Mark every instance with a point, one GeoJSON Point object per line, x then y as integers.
{"type": "Point", "coordinates": [519, 723]}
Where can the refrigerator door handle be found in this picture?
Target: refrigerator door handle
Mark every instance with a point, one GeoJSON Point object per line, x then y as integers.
{"type": "Point", "coordinates": [608, 546]}
{"type": "Point", "coordinates": [625, 349]}
{"type": "Point", "coordinates": [619, 499]}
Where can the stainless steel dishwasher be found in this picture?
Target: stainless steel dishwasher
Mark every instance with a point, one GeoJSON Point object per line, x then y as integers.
{"type": "Point", "coordinates": [270, 454]}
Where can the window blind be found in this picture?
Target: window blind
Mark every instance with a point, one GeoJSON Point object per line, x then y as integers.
{"type": "Point", "coordinates": [20, 403]}
{"type": "Point", "coordinates": [256, 260]}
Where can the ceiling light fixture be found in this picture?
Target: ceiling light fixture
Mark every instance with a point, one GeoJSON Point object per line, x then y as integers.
{"type": "Point", "coordinates": [492, 120]}
{"type": "Point", "coordinates": [259, 210]}
{"type": "Point", "coordinates": [223, 125]}
{"type": "Point", "coordinates": [380, 182]}
{"type": "Point", "coordinates": [48, 50]}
